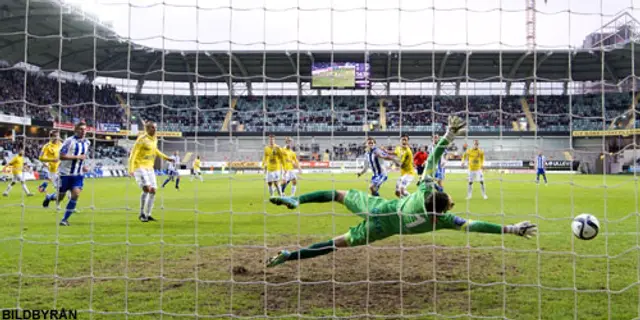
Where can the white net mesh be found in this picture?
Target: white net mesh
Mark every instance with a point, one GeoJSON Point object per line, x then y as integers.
{"type": "Point", "coordinates": [219, 76]}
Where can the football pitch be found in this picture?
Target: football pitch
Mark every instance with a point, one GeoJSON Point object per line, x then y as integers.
{"type": "Point", "coordinates": [205, 254]}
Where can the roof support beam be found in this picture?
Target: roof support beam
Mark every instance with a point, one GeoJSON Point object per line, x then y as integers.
{"type": "Point", "coordinates": [223, 71]}
{"type": "Point", "coordinates": [533, 71]}
{"type": "Point", "coordinates": [8, 46]}
{"type": "Point", "coordinates": [602, 58]}
{"type": "Point", "coordinates": [187, 69]}
{"type": "Point", "coordinates": [461, 71]}
{"type": "Point", "coordinates": [296, 71]}
{"type": "Point", "coordinates": [514, 69]}
{"type": "Point", "coordinates": [243, 71]}
{"type": "Point", "coordinates": [387, 74]}
{"type": "Point", "coordinates": [313, 60]}
{"type": "Point", "coordinates": [565, 86]}
{"type": "Point", "coordinates": [112, 61]}
{"type": "Point", "coordinates": [150, 64]}
{"type": "Point", "coordinates": [443, 65]}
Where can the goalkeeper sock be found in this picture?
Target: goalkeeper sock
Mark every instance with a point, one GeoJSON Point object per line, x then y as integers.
{"type": "Point", "coordinates": [318, 197]}
{"type": "Point", "coordinates": [150, 199]}
{"type": "Point", "coordinates": [143, 202]}
{"type": "Point", "coordinates": [71, 207]}
{"type": "Point", "coordinates": [485, 227]}
{"type": "Point", "coordinates": [314, 250]}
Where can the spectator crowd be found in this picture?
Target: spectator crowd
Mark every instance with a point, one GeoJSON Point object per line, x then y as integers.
{"type": "Point", "coordinates": [48, 99]}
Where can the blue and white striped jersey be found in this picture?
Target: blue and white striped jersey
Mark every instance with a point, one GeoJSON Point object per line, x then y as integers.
{"type": "Point", "coordinates": [540, 162]}
{"type": "Point", "coordinates": [373, 161]}
{"type": "Point", "coordinates": [73, 146]}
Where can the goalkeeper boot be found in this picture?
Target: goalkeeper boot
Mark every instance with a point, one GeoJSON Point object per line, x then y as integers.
{"type": "Point", "coordinates": [278, 259]}
{"type": "Point", "coordinates": [526, 229]}
{"type": "Point", "coordinates": [290, 202]}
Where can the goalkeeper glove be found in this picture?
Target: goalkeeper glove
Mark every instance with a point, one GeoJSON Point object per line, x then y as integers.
{"type": "Point", "coordinates": [456, 126]}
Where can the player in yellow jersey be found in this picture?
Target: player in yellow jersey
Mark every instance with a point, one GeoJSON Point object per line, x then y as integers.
{"type": "Point", "coordinates": [407, 173]}
{"type": "Point", "coordinates": [475, 159]}
{"type": "Point", "coordinates": [290, 163]}
{"type": "Point", "coordinates": [272, 164]}
{"type": "Point", "coordinates": [141, 161]}
{"type": "Point", "coordinates": [17, 165]}
{"type": "Point", "coordinates": [196, 169]}
{"type": "Point", "coordinates": [50, 156]}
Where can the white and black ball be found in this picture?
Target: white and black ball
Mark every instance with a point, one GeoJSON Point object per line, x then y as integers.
{"type": "Point", "coordinates": [585, 226]}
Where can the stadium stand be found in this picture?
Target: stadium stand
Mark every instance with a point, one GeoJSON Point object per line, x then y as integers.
{"type": "Point", "coordinates": [306, 114]}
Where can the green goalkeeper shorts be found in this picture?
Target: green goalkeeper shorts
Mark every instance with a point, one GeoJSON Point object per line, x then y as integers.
{"type": "Point", "coordinates": [375, 212]}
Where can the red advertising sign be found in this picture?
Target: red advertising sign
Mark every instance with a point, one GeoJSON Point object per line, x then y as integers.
{"type": "Point", "coordinates": [314, 164]}
{"type": "Point", "coordinates": [69, 126]}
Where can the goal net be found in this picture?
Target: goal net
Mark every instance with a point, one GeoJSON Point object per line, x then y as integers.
{"type": "Point", "coordinates": [540, 85]}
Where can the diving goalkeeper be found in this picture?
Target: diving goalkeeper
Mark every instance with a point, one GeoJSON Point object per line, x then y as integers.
{"type": "Point", "coordinates": [423, 211]}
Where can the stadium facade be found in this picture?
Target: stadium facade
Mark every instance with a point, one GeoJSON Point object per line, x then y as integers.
{"type": "Point", "coordinates": [86, 47]}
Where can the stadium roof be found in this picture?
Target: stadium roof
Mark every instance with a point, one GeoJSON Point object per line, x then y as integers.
{"type": "Point", "coordinates": [76, 49]}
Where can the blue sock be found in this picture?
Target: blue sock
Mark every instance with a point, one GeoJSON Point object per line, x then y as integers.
{"type": "Point", "coordinates": [284, 186]}
{"type": "Point", "coordinates": [51, 196]}
{"type": "Point", "coordinates": [177, 182]}
{"type": "Point", "coordinates": [165, 182]}
{"type": "Point", "coordinates": [545, 178]}
{"type": "Point", "coordinates": [43, 186]}
{"type": "Point", "coordinates": [71, 206]}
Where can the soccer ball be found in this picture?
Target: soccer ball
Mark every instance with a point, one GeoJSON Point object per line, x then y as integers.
{"type": "Point", "coordinates": [585, 226]}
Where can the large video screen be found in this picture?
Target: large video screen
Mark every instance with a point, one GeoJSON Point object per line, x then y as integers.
{"type": "Point", "coordinates": [347, 75]}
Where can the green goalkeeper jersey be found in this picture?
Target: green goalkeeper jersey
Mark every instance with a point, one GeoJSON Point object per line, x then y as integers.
{"type": "Point", "coordinates": [413, 215]}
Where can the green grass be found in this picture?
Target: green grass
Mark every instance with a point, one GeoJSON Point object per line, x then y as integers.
{"type": "Point", "coordinates": [206, 254]}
